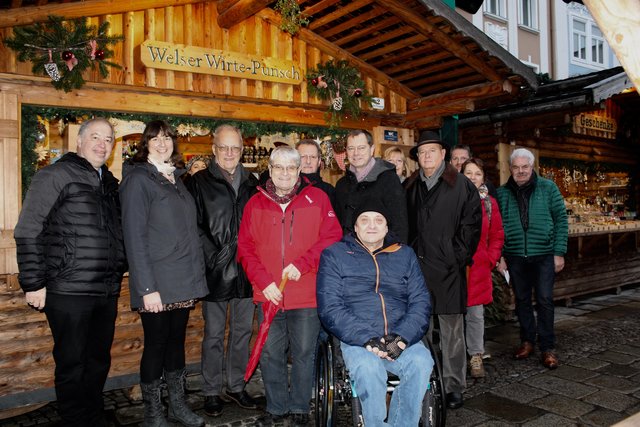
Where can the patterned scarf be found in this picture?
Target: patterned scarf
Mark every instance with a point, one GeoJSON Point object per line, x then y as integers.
{"type": "Point", "coordinates": [484, 196]}
{"type": "Point", "coordinates": [166, 169]}
{"type": "Point", "coordinates": [270, 188]}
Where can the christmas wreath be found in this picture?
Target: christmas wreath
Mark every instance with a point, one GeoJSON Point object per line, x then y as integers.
{"type": "Point", "coordinates": [63, 50]}
{"type": "Point", "coordinates": [341, 85]}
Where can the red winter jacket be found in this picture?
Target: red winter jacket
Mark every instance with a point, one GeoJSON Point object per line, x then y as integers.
{"type": "Point", "coordinates": [479, 285]}
{"type": "Point", "coordinates": [271, 239]}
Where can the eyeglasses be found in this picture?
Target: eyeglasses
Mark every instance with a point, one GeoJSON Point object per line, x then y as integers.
{"type": "Point", "coordinates": [228, 149]}
{"type": "Point", "coordinates": [282, 168]}
{"type": "Point", "coordinates": [359, 148]}
{"type": "Point", "coordinates": [309, 157]}
{"type": "Point", "coordinates": [431, 151]}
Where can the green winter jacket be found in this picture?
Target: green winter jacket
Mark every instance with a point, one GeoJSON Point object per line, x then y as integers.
{"type": "Point", "coordinates": [548, 227]}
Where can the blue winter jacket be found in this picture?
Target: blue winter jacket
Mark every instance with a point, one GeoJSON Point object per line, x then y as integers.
{"type": "Point", "coordinates": [364, 295]}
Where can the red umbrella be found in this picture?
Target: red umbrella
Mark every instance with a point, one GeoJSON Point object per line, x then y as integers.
{"type": "Point", "coordinates": [269, 311]}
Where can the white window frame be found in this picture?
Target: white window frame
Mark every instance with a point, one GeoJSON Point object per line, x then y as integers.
{"type": "Point", "coordinates": [590, 40]}
{"type": "Point", "coordinates": [531, 7]}
{"type": "Point", "coordinates": [495, 8]}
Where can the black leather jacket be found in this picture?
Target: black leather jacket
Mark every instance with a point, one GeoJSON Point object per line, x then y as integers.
{"type": "Point", "coordinates": [219, 214]}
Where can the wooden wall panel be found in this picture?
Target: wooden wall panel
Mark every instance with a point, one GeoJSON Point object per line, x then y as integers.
{"type": "Point", "coordinates": [10, 199]}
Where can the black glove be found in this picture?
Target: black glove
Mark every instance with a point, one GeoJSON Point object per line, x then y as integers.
{"type": "Point", "coordinates": [375, 343]}
{"type": "Point", "coordinates": [391, 342]}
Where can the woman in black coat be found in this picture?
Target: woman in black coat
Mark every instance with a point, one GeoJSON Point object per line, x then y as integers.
{"type": "Point", "coordinates": [166, 268]}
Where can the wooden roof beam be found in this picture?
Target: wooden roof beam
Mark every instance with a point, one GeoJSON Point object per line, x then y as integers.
{"type": "Point", "coordinates": [340, 12]}
{"type": "Point", "coordinates": [240, 11]}
{"type": "Point", "coordinates": [366, 31]}
{"type": "Point", "coordinates": [354, 22]}
{"type": "Point", "coordinates": [32, 14]}
{"type": "Point", "coordinates": [457, 106]}
{"type": "Point", "coordinates": [394, 47]}
{"type": "Point", "coordinates": [334, 51]}
{"type": "Point", "coordinates": [407, 55]}
{"type": "Point", "coordinates": [318, 7]}
{"type": "Point", "coordinates": [376, 39]}
{"type": "Point", "coordinates": [426, 28]}
{"type": "Point", "coordinates": [479, 91]}
{"type": "Point", "coordinates": [411, 65]}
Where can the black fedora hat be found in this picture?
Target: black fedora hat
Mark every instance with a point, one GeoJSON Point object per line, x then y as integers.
{"type": "Point", "coordinates": [427, 137]}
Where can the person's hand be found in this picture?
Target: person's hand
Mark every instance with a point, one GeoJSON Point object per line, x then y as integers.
{"type": "Point", "coordinates": [502, 265]}
{"type": "Point", "coordinates": [272, 293]}
{"type": "Point", "coordinates": [292, 272]}
{"type": "Point", "coordinates": [394, 345]}
{"type": "Point", "coordinates": [558, 262]}
{"type": "Point", "coordinates": [152, 302]}
{"type": "Point", "coordinates": [377, 347]}
{"type": "Point", "coordinates": [36, 299]}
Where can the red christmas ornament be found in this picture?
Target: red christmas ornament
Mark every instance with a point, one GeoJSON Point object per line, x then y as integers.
{"type": "Point", "coordinates": [314, 81]}
{"type": "Point", "coordinates": [357, 92]}
{"type": "Point", "coordinates": [67, 55]}
{"type": "Point", "coordinates": [99, 54]}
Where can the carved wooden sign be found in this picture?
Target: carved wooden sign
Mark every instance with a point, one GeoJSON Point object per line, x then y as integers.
{"type": "Point", "coordinates": [194, 59]}
{"type": "Point", "coordinates": [590, 124]}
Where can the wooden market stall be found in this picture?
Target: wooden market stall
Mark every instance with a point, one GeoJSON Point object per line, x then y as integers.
{"type": "Point", "coordinates": [585, 134]}
{"type": "Point", "coordinates": [184, 59]}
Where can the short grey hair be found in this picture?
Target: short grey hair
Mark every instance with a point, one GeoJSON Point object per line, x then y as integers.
{"type": "Point", "coordinates": [285, 153]}
{"type": "Point", "coordinates": [522, 152]}
{"type": "Point", "coordinates": [230, 128]}
{"type": "Point", "coordinates": [85, 125]}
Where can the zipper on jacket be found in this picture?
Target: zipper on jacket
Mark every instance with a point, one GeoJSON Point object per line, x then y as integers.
{"type": "Point", "coordinates": [291, 228]}
{"type": "Point", "coordinates": [525, 245]}
{"type": "Point", "coordinates": [282, 240]}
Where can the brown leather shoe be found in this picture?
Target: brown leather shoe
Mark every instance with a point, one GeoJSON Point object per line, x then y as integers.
{"type": "Point", "coordinates": [549, 359]}
{"type": "Point", "coordinates": [524, 351]}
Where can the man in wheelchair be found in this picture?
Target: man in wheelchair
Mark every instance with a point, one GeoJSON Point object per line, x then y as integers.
{"type": "Point", "coordinates": [373, 298]}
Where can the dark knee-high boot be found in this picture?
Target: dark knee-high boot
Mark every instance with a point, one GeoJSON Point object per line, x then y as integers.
{"type": "Point", "coordinates": [153, 409]}
{"type": "Point", "coordinates": [178, 409]}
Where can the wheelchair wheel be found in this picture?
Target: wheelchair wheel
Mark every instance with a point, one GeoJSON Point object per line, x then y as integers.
{"type": "Point", "coordinates": [434, 409]}
{"type": "Point", "coordinates": [325, 386]}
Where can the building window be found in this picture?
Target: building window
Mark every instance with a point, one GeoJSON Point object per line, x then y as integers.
{"type": "Point", "coordinates": [588, 46]}
{"type": "Point", "coordinates": [528, 11]}
{"type": "Point", "coordinates": [597, 45]}
{"type": "Point", "coordinates": [579, 39]}
{"type": "Point", "coordinates": [496, 7]}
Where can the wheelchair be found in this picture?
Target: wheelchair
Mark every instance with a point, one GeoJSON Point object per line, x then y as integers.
{"type": "Point", "coordinates": [333, 387]}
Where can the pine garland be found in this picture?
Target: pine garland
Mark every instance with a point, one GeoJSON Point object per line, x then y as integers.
{"type": "Point", "coordinates": [63, 50]}
{"type": "Point", "coordinates": [339, 83]}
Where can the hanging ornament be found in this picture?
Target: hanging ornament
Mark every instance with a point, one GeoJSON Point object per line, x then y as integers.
{"type": "Point", "coordinates": [52, 69]}
{"type": "Point", "coordinates": [357, 92]}
{"type": "Point", "coordinates": [340, 158]}
{"type": "Point", "coordinates": [40, 136]}
{"type": "Point", "coordinates": [71, 62]}
{"type": "Point", "coordinates": [93, 45]}
{"type": "Point", "coordinates": [322, 84]}
{"type": "Point", "coordinates": [67, 55]}
{"type": "Point", "coordinates": [314, 82]}
{"type": "Point", "coordinates": [99, 54]}
{"type": "Point", "coordinates": [337, 103]}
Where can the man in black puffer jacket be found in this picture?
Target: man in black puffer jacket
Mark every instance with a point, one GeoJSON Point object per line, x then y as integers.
{"type": "Point", "coordinates": [71, 260]}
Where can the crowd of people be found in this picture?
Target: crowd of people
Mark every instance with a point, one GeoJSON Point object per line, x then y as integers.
{"type": "Point", "coordinates": [379, 262]}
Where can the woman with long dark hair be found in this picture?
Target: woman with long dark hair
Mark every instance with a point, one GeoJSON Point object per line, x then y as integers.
{"type": "Point", "coordinates": [166, 268]}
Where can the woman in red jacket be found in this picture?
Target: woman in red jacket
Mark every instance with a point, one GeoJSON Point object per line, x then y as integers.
{"type": "Point", "coordinates": [479, 285]}
{"type": "Point", "coordinates": [284, 228]}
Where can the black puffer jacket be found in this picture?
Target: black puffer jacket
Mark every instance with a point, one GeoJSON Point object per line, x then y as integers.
{"type": "Point", "coordinates": [219, 214]}
{"type": "Point", "coordinates": [68, 236]}
{"type": "Point", "coordinates": [381, 183]}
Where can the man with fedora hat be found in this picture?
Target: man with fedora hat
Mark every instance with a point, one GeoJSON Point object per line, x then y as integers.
{"type": "Point", "coordinates": [444, 229]}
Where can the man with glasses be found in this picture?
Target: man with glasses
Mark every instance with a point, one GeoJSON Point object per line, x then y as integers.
{"type": "Point", "coordinates": [311, 160]}
{"type": "Point", "coordinates": [221, 191]}
{"type": "Point", "coordinates": [444, 229]}
{"type": "Point", "coordinates": [535, 230]}
{"type": "Point", "coordinates": [370, 178]}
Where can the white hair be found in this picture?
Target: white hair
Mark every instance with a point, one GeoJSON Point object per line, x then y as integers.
{"type": "Point", "coordinates": [285, 153]}
{"type": "Point", "coordinates": [522, 152]}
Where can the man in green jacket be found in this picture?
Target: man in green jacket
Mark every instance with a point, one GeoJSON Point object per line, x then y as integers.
{"type": "Point", "coordinates": [535, 230]}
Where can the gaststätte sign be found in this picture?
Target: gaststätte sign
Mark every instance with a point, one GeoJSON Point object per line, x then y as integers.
{"type": "Point", "coordinates": [194, 59]}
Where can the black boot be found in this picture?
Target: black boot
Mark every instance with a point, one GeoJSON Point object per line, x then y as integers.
{"type": "Point", "coordinates": [178, 409]}
{"type": "Point", "coordinates": [153, 409]}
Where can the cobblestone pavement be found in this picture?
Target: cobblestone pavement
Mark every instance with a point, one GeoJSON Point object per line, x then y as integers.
{"type": "Point", "coordinates": [597, 383]}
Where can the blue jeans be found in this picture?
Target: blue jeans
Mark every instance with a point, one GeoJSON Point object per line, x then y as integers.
{"type": "Point", "coordinates": [527, 274]}
{"type": "Point", "coordinates": [296, 330]}
{"type": "Point", "coordinates": [369, 372]}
